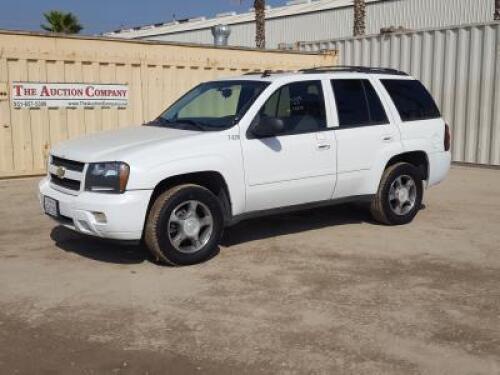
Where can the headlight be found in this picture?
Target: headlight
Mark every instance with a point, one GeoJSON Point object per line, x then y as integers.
{"type": "Point", "coordinates": [109, 177]}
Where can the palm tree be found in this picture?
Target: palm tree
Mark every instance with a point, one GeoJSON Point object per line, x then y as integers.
{"type": "Point", "coordinates": [359, 17]}
{"type": "Point", "coordinates": [60, 22]}
{"type": "Point", "coordinates": [260, 23]}
{"type": "Point", "coordinates": [497, 10]}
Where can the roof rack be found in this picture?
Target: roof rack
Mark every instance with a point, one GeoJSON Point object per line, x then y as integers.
{"type": "Point", "coordinates": [265, 73]}
{"type": "Point", "coordinates": [350, 68]}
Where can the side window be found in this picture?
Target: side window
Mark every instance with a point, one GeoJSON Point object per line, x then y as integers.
{"type": "Point", "coordinates": [377, 111]}
{"type": "Point", "coordinates": [411, 99]}
{"type": "Point", "coordinates": [300, 105]}
{"type": "Point", "coordinates": [358, 103]}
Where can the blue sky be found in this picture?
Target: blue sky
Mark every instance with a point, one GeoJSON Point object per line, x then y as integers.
{"type": "Point", "coordinates": [105, 15]}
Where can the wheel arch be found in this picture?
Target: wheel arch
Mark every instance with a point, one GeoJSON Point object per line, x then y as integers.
{"type": "Point", "coordinates": [418, 158]}
{"type": "Point", "coordinates": [211, 180]}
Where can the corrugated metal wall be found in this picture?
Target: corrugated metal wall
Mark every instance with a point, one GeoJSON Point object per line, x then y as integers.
{"type": "Point", "coordinates": [156, 74]}
{"type": "Point", "coordinates": [460, 66]}
{"type": "Point", "coordinates": [338, 22]}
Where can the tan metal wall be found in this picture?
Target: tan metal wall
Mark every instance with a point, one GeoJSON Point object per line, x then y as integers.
{"type": "Point", "coordinates": [459, 65]}
{"type": "Point", "coordinates": [157, 73]}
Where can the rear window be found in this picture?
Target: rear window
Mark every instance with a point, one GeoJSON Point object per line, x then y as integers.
{"type": "Point", "coordinates": [411, 99]}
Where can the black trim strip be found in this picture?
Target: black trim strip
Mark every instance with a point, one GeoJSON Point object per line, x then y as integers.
{"type": "Point", "coordinates": [65, 183]}
{"type": "Point", "coordinates": [361, 126]}
{"type": "Point", "coordinates": [300, 207]}
{"type": "Point", "coordinates": [68, 164]}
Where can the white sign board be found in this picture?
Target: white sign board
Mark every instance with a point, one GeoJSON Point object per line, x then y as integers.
{"type": "Point", "coordinates": [57, 95]}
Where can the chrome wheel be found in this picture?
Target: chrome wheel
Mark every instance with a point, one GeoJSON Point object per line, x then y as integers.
{"type": "Point", "coordinates": [402, 195]}
{"type": "Point", "coordinates": [190, 226]}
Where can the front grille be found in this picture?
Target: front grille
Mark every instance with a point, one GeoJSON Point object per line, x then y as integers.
{"type": "Point", "coordinates": [68, 164]}
{"type": "Point", "coordinates": [72, 175]}
{"type": "Point", "coordinates": [66, 183]}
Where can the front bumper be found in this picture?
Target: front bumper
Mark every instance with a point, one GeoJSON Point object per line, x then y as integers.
{"type": "Point", "coordinates": [125, 213]}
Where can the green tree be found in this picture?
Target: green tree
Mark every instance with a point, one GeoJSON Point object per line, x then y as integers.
{"type": "Point", "coordinates": [60, 22]}
{"type": "Point", "coordinates": [359, 17]}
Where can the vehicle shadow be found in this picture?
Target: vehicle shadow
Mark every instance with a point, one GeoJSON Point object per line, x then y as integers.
{"type": "Point", "coordinates": [295, 222]}
{"type": "Point", "coordinates": [97, 249]}
{"type": "Point", "coordinates": [245, 231]}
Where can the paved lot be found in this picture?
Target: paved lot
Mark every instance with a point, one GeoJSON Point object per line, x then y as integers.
{"type": "Point", "coordinates": [324, 291]}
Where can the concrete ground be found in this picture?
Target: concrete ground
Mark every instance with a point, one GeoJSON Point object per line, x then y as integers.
{"type": "Point", "coordinates": [317, 292]}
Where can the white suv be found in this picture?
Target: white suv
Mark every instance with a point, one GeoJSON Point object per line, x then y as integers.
{"type": "Point", "coordinates": [253, 145]}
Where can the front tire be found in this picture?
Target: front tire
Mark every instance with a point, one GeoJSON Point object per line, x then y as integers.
{"type": "Point", "coordinates": [184, 225]}
{"type": "Point", "coordinates": [400, 194]}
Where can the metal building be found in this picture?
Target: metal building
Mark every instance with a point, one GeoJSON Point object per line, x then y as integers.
{"type": "Point", "coordinates": [460, 65]}
{"type": "Point", "coordinates": [312, 20]}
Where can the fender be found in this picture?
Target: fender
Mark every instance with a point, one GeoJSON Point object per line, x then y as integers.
{"type": "Point", "coordinates": [230, 171]}
{"type": "Point", "coordinates": [376, 176]}
{"type": "Point", "coordinates": [429, 146]}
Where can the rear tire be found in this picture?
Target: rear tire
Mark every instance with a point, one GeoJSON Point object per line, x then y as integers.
{"type": "Point", "coordinates": [399, 196]}
{"type": "Point", "coordinates": [184, 225]}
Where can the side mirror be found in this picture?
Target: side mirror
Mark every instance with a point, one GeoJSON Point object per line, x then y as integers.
{"type": "Point", "coordinates": [268, 127]}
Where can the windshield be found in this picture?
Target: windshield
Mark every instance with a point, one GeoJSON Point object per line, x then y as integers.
{"type": "Point", "coordinates": [212, 105]}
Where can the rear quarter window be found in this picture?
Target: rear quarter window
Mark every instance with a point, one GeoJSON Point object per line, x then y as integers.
{"type": "Point", "coordinates": [412, 100]}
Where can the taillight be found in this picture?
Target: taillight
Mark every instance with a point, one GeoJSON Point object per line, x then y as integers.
{"type": "Point", "coordinates": [447, 138]}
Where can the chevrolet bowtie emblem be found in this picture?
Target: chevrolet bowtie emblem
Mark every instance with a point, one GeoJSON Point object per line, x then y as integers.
{"type": "Point", "coordinates": [60, 172]}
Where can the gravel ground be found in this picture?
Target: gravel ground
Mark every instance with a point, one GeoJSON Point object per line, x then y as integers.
{"type": "Point", "coordinates": [319, 292]}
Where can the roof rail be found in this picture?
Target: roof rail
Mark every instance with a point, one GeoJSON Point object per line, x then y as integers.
{"type": "Point", "coordinates": [350, 68]}
{"type": "Point", "coordinates": [265, 73]}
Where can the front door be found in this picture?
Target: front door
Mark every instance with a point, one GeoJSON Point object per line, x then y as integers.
{"type": "Point", "coordinates": [297, 165]}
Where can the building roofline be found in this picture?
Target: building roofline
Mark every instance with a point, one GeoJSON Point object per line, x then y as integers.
{"type": "Point", "coordinates": [401, 32]}
{"type": "Point", "coordinates": [292, 8]}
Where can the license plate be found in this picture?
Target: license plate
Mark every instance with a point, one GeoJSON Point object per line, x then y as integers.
{"type": "Point", "coordinates": [51, 206]}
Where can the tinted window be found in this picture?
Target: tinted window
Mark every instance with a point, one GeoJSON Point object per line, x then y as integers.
{"type": "Point", "coordinates": [412, 99]}
{"type": "Point", "coordinates": [357, 103]}
{"type": "Point", "coordinates": [300, 105]}
{"type": "Point", "coordinates": [377, 111]}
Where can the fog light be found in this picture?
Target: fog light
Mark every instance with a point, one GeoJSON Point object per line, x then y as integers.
{"type": "Point", "coordinates": [100, 217]}
{"type": "Point", "coordinates": [84, 226]}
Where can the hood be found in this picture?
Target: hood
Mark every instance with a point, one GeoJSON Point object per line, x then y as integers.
{"type": "Point", "coordinates": [114, 145]}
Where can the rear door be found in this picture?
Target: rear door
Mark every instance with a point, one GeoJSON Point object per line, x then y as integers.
{"type": "Point", "coordinates": [363, 135]}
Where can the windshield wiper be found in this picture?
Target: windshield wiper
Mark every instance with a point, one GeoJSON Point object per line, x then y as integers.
{"type": "Point", "coordinates": [196, 124]}
{"type": "Point", "coordinates": [161, 121]}
{"type": "Point", "coordinates": [156, 122]}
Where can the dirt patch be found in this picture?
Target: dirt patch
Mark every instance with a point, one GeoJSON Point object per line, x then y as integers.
{"type": "Point", "coordinates": [319, 292]}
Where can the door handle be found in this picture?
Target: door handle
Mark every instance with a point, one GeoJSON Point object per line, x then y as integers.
{"type": "Point", "coordinates": [388, 138]}
{"type": "Point", "coordinates": [325, 146]}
